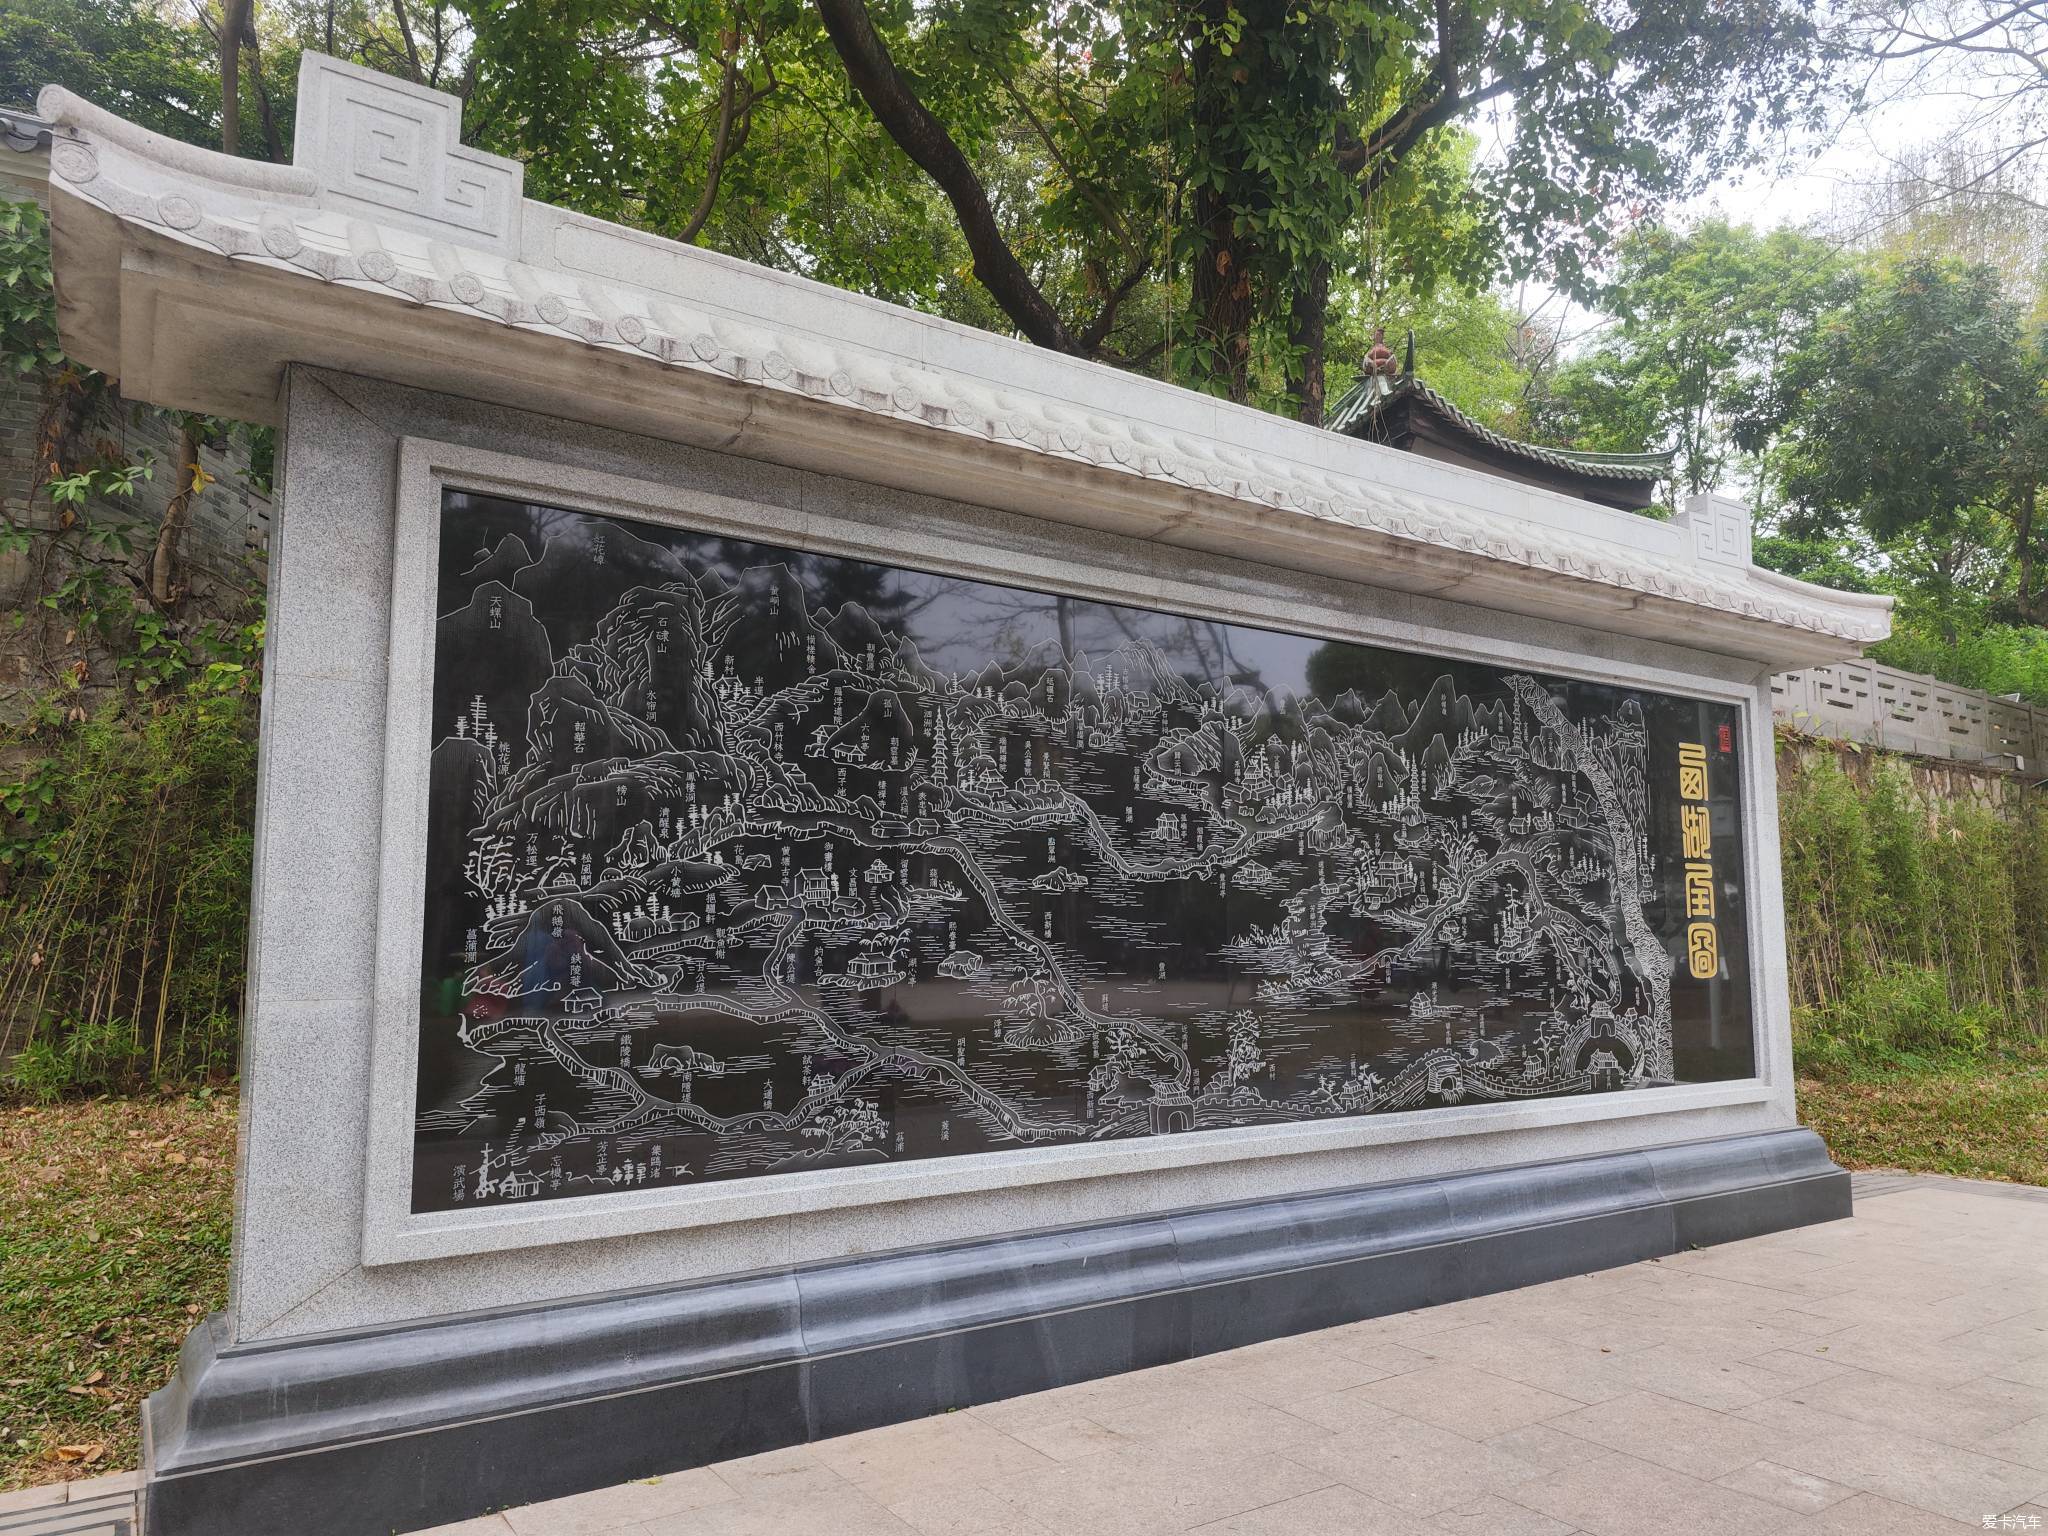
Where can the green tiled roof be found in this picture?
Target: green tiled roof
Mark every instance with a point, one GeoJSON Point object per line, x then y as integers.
{"type": "Point", "coordinates": [1369, 396]}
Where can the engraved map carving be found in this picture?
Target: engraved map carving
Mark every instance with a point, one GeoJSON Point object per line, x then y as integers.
{"type": "Point", "coordinates": [743, 861]}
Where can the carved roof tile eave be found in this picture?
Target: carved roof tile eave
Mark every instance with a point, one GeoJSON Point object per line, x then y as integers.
{"type": "Point", "coordinates": [250, 212]}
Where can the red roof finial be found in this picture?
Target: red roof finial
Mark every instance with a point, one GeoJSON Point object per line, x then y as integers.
{"type": "Point", "coordinates": [1379, 362]}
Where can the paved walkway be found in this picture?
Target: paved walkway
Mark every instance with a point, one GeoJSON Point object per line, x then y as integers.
{"type": "Point", "coordinates": [1883, 1375]}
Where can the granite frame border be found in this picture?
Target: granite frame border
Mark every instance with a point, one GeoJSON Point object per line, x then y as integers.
{"type": "Point", "coordinates": [393, 1234]}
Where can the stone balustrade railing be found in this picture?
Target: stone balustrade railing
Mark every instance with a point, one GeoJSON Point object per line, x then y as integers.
{"type": "Point", "coordinates": [1905, 712]}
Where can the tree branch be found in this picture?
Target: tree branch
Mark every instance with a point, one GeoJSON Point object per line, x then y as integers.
{"type": "Point", "coordinates": [924, 139]}
{"type": "Point", "coordinates": [1377, 156]}
{"type": "Point", "coordinates": [412, 51]}
{"type": "Point", "coordinates": [1105, 320]}
{"type": "Point", "coordinates": [727, 88]}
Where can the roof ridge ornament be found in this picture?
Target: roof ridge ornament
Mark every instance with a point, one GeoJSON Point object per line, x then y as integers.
{"type": "Point", "coordinates": [392, 150]}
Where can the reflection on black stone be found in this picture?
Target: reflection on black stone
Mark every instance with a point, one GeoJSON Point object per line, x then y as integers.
{"type": "Point", "coordinates": [746, 861]}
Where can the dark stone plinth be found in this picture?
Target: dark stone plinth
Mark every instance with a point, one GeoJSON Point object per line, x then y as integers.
{"type": "Point", "coordinates": [400, 1428]}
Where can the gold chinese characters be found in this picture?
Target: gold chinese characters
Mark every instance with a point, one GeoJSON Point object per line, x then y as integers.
{"type": "Point", "coordinates": [1696, 835]}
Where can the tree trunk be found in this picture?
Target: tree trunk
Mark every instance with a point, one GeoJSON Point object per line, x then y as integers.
{"type": "Point", "coordinates": [234, 21]}
{"type": "Point", "coordinates": [1307, 327]}
{"type": "Point", "coordinates": [163, 561]}
{"type": "Point", "coordinates": [1221, 281]}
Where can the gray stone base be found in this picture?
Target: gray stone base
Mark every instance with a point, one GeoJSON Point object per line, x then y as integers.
{"type": "Point", "coordinates": [401, 1428]}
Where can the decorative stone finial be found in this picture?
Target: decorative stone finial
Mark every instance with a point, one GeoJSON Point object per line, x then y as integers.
{"type": "Point", "coordinates": [395, 150]}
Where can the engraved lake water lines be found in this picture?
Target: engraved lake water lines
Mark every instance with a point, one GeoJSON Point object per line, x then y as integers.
{"type": "Point", "coordinates": [746, 861]}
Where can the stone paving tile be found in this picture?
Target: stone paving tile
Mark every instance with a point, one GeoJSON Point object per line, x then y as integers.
{"type": "Point", "coordinates": [1908, 1469]}
{"type": "Point", "coordinates": [1706, 1381]}
{"type": "Point", "coordinates": [779, 1474]}
{"type": "Point", "coordinates": [1416, 1467]}
{"type": "Point", "coordinates": [1891, 1403]}
{"type": "Point", "coordinates": [1497, 1517]}
{"type": "Point", "coordinates": [1879, 1349]}
{"type": "Point", "coordinates": [1621, 1496]}
{"type": "Point", "coordinates": [1578, 1371]}
{"type": "Point", "coordinates": [1800, 1492]}
{"type": "Point", "coordinates": [1071, 1439]}
{"type": "Point", "coordinates": [1334, 1511]}
{"type": "Point", "coordinates": [2033, 1371]}
{"type": "Point", "coordinates": [31, 1498]}
{"type": "Point", "coordinates": [79, 1490]}
{"type": "Point", "coordinates": [1385, 1356]}
{"type": "Point", "coordinates": [1800, 1367]}
{"type": "Point", "coordinates": [1609, 1334]}
{"type": "Point", "coordinates": [608, 1509]}
{"type": "Point", "coordinates": [811, 1514]}
{"type": "Point", "coordinates": [1869, 1515]}
{"type": "Point", "coordinates": [900, 1460]}
{"type": "Point", "coordinates": [1139, 1493]}
{"type": "Point", "coordinates": [964, 1509]}
{"type": "Point", "coordinates": [1795, 1420]}
{"type": "Point", "coordinates": [1282, 1377]}
{"type": "Point", "coordinates": [1471, 1402]}
{"type": "Point", "coordinates": [1206, 1424]}
{"type": "Point", "coordinates": [2025, 1443]}
{"type": "Point", "coordinates": [2017, 1396]}
{"type": "Point", "coordinates": [1050, 1407]}
{"type": "Point", "coordinates": [1679, 1435]}
{"type": "Point", "coordinates": [1546, 1446]}
{"type": "Point", "coordinates": [1811, 1326]}
{"type": "Point", "coordinates": [1343, 1411]}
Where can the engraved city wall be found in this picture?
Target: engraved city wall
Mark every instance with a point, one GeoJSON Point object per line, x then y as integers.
{"type": "Point", "coordinates": [743, 860]}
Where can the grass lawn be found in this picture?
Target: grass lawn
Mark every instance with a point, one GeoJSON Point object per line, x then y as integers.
{"type": "Point", "coordinates": [1976, 1119]}
{"type": "Point", "coordinates": [114, 1221]}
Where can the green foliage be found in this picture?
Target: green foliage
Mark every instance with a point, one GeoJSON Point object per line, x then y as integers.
{"type": "Point", "coordinates": [1975, 1117]}
{"type": "Point", "coordinates": [1916, 927]}
{"type": "Point", "coordinates": [1702, 318]}
{"type": "Point", "coordinates": [1893, 411]}
{"type": "Point", "coordinates": [133, 57]}
{"type": "Point", "coordinates": [1976, 653]}
{"type": "Point", "coordinates": [1176, 180]}
{"type": "Point", "coordinates": [28, 305]}
{"type": "Point", "coordinates": [1915, 415]}
{"type": "Point", "coordinates": [1953, 629]}
{"type": "Point", "coordinates": [127, 852]}
{"type": "Point", "coordinates": [124, 841]}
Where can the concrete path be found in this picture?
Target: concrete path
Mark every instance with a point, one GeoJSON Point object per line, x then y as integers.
{"type": "Point", "coordinates": [1878, 1376]}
